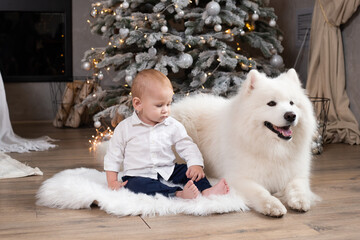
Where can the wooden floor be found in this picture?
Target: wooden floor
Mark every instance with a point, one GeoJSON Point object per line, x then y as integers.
{"type": "Point", "coordinates": [336, 178]}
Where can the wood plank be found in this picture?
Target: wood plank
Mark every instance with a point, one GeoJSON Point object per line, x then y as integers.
{"type": "Point", "coordinates": [336, 178]}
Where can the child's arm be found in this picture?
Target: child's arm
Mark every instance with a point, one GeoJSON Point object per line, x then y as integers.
{"type": "Point", "coordinates": [190, 152]}
{"type": "Point", "coordinates": [114, 158]}
{"type": "Point", "coordinates": [112, 180]}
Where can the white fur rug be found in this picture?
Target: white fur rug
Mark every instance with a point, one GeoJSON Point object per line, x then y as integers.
{"type": "Point", "coordinates": [79, 188]}
{"type": "Point", "coordinates": [12, 168]}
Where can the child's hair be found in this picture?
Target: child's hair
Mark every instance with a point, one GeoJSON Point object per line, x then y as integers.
{"type": "Point", "coordinates": [147, 78]}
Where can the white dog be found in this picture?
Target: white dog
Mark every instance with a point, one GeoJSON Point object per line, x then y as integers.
{"type": "Point", "coordinates": [258, 140]}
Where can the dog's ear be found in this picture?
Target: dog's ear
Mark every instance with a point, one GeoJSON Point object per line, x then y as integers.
{"type": "Point", "coordinates": [293, 76]}
{"type": "Point", "coordinates": [251, 80]}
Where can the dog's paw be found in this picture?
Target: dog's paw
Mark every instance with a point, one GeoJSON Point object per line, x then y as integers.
{"type": "Point", "coordinates": [273, 207]}
{"type": "Point", "coordinates": [299, 203]}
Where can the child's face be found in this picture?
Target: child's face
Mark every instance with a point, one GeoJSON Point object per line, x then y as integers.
{"type": "Point", "coordinates": [154, 106]}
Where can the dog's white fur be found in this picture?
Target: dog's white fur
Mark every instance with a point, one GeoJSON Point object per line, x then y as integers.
{"type": "Point", "coordinates": [266, 170]}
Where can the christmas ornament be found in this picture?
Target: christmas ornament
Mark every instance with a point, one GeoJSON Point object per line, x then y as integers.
{"type": "Point", "coordinates": [213, 8]}
{"type": "Point", "coordinates": [272, 23]}
{"type": "Point", "coordinates": [125, 5]}
{"type": "Point", "coordinates": [276, 61]}
{"type": "Point", "coordinates": [86, 66]}
{"type": "Point", "coordinates": [217, 27]}
{"type": "Point", "coordinates": [280, 38]}
{"type": "Point", "coordinates": [181, 13]}
{"type": "Point", "coordinates": [118, 17]}
{"type": "Point", "coordinates": [97, 124]}
{"type": "Point", "coordinates": [164, 29]}
{"type": "Point", "coordinates": [128, 79]}
{"type": "Point", "coordinates": [186, 60]}
{"type": "Point", "coordinates": [124, 32]}
{"type": "Point", "coordinates": [152, 52]}
{"type": "Point", "coordinates": [255, 16]}
{"type": "Point", "coordinates": [103, 28]}
{"type": "Point", "coordinates": [100, 76]}
{"type": "Point", "coordinates": [203, 78]}
{"type": "Point", "coordinates": [242, 32]}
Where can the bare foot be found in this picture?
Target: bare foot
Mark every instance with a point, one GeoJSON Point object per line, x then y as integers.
{"type": "Point", "coordinates": [221, 188]}
{"type": "Point", "coordinates": [190, 191]}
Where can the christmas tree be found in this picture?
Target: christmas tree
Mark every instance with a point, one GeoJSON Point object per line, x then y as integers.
{"type": "Point", "coordinates": [202, 46]}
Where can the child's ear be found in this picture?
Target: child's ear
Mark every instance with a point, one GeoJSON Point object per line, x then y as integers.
{"type": "Point", "coordinates": [136, 103]}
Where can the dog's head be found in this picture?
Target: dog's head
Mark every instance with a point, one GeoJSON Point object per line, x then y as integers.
{"type": "Point", "coordinates": [275, 106]}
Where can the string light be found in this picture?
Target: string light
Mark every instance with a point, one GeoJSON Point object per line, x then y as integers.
{"type": "Point", "coordinates": [102, 134]}
{"type": "Point", "coordinates": [250, 26]}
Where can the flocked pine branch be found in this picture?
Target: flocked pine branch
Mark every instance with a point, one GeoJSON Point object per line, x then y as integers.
{"type": "Point", "coordinates": [203, 46]}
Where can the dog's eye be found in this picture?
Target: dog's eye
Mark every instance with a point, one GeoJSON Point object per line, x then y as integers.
{"type": "Point", "coordinates": [271, 103]}
{"type": "Point", "coordinates": [291, 103]}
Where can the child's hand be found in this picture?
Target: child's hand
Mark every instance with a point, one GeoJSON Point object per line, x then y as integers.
{"type": "Point", "coordinates": [195, 173]}
{"type": "Point", "coordinates": [115, 185]}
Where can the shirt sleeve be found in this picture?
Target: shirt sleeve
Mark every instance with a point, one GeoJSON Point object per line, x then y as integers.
{"type": "Point", "coordinates": [186, 148]}
{"type": "Point", "coordinates": [114, 156]}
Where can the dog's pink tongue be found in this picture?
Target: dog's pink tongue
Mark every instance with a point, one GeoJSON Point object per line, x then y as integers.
{"type": "Point", "coordinates": [285, 132]}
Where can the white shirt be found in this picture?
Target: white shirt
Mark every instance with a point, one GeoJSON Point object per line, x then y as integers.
{"type": "Point", "coordinates": [146, 150]}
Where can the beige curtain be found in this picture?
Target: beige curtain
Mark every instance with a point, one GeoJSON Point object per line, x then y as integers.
{"type": "Point", "coordinates": [326, 75]}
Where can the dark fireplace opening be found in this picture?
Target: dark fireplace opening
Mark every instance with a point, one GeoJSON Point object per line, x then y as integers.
{"type": "Point", "coordinates": [36, 41]}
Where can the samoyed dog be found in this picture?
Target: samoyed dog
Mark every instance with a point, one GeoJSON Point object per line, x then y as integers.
{"type": "Point", "coordinates": [259, 140]}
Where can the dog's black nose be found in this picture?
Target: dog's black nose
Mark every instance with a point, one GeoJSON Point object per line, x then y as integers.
{"type": "Point", "coordinates": [290, 116]}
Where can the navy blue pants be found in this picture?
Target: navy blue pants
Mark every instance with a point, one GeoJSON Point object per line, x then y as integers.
{"type": "Point", "coordinates": [151, 186]}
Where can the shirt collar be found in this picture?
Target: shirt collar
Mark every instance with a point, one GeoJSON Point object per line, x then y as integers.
{"type": "Point", "coordinates": [135, 120]}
